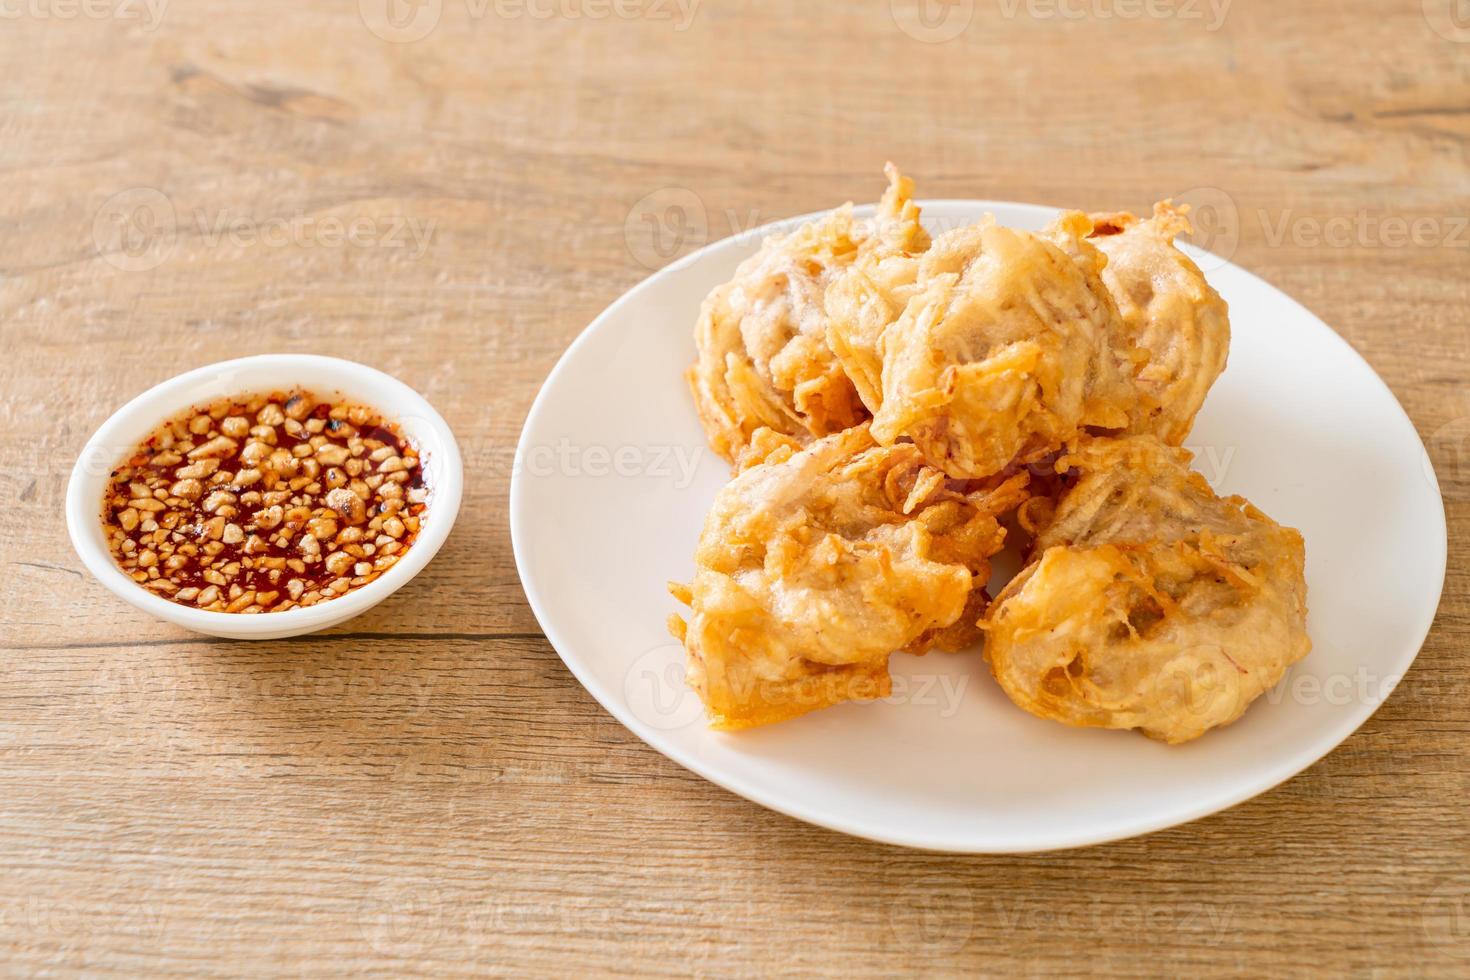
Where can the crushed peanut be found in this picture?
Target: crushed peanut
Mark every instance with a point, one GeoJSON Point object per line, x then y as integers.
{"type": "Point", "coordinates": [265, 503]}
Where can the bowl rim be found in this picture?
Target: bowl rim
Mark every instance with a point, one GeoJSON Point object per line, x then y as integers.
{"type": "Point", "coordinates": [392, 398]}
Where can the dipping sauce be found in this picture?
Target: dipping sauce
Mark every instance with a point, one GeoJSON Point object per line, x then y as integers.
{"type": "Point", "coordinates": [263, 503]}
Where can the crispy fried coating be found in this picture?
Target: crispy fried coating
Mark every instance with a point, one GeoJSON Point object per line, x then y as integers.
{"type": "Point", "coordinates": [1170, 314]}
{"type": "Point", "coordinates": [763, 358]}
{"type": "Point", "coordinates": [862, 302]}
{"type": "Point", "coordinates": [1149, 602]}
{"type": "Point", "coordinates": [1080, 355]}
{"type": "Point", "coordinates": [815, 565]}
{"type": "Point", "coordinates": [1000, 354]}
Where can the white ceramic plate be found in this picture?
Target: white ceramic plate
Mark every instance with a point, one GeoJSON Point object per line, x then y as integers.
{"type": "Point", "coordinates": [613, 480]}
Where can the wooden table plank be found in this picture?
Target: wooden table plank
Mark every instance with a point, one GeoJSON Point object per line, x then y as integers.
{"type": "Point", "coordinates": [426, 789]}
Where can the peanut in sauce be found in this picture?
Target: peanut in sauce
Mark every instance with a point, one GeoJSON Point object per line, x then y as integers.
{"type": "Point", "coordinates": [265, 503]}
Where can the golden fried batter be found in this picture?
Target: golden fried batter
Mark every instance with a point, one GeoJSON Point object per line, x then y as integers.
{"type": "Point", "coordinates": [762, 337]}
{"type": "Point", "coordinates": [862, 302]}
{"type": "Point", "coordinates": [1084, 352]}
{"type": "Point", "coordinates": [1150, 602]}
{"type": "Point", "coordinates": [1000, 354]}
{"type": "Point", "coordinates": [1169, 313]}
{"type": "Point", "coordinates": [815, 566]}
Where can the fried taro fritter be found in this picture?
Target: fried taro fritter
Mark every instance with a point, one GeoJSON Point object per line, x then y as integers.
{"type": "Point", "coordinates": [1149, 602]}
{"type": "Point", "coordinates": [1079, 355]}
{"type": "Point", "coordinates": [1169, 313]}
{"type": "Point", "coordinates": [814, 566]}
{"type": "Point", "coordinates": [762, 337]}
{"type": "Point", "coordinates": [862, 302]}
{"type": "Point", "coordinates": [1000, 354]}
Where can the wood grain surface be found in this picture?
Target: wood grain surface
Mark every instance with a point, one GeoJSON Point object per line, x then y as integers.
{"type": "Point", "coordinates": [450, 192]}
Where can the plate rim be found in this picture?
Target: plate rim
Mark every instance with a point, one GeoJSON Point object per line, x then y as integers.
{"type": "Point", "coordinates": [1269, 778]}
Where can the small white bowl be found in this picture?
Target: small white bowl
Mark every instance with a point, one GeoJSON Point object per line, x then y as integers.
{"type": "Point", "coordinates": [325, 377]}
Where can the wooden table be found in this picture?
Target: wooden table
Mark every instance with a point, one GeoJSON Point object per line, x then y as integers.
{"type": "Point", "coordinates": [427, 789]}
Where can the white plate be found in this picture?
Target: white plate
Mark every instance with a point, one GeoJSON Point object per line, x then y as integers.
{"type": "Point", "coordinates": [610, 491]}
